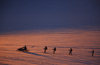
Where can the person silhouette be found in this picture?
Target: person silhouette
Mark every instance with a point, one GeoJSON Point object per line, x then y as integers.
{"type": "Point", "coordinates": [70, 51]}
{"type": "Point", "coordinates": [92, 52]}
{"type": "Point", "coordinates": [25, 48]}
{"type": "Point", "coordinates": [54, 50]}
{"type": "Point", "coordinates": [45, 48]}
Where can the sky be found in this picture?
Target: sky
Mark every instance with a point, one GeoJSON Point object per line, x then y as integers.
{"type": "Point", "coordinates": [19, 15]}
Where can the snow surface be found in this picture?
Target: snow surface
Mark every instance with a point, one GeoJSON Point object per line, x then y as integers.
{"type": "Point", "coordinates": [81, 41]}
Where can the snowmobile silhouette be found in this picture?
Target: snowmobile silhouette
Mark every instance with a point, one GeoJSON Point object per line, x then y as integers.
{"type": "Point", "coordinates": [24, 49]}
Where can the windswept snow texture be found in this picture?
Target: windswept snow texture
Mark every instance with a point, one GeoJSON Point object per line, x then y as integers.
{"type": "Point", "coordinates": [81, 41]}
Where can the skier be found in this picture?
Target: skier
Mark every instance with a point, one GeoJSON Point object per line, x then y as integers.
{"type": "Point", "coordinates": [45, 48]}
{"type": "Point", "coordinates": [54, 50]}
{"type": "Point", "coordinates": [70, 51]}
{"type": "Point", "coordinates": [92, 52]}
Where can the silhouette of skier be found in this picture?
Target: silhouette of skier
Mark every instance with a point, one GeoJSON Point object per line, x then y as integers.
{"type": "Point", "coordinates": [45, 48]}
{"type": "Point", "coordinates": [70, 51]}
{"type": "Point", "coordinates": [92, 52]}
{"type": "Point", "coordinates": [54, 50]}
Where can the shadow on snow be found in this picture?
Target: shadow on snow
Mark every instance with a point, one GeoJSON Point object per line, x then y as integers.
{"type": "Point", "coordinates": [35, 54]}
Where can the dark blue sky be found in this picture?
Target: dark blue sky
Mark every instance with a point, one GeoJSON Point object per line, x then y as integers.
{"type": "Point", "coordinates": [16, 15]}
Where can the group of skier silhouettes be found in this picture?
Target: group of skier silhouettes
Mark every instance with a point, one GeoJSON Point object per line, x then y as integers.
{"type": "Point", "coordinates": [54, 50]}
{"type": "Point", "coordinates": [46, 48]}
{"type": "Point", "coordinates": [24, 49]}
{"type": "Point", "coordinates": [70, 50]}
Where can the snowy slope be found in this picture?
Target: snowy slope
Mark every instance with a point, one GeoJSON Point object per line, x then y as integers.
{"type": "Point", "coordinates": [81, 41]}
